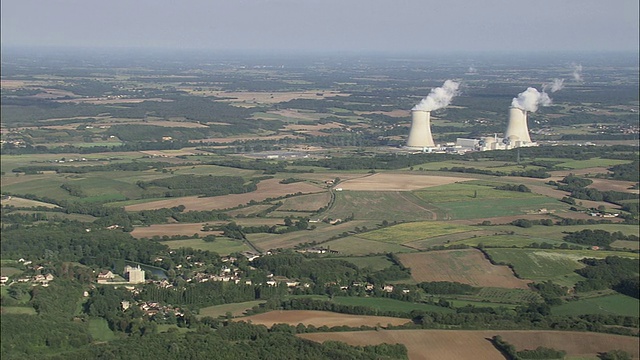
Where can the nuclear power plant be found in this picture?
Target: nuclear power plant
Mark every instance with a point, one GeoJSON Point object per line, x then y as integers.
{"type": "Point", "coordinates": [420, 135]}
{"type": "Point", "coordinates": [517, 131]}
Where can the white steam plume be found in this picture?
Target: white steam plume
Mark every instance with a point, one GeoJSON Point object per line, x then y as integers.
{"type": "Point", "coordinates": [530, 99]}
{"type": "Point", "coordinates": [577, 72]}
{"type": "Point", "coordinates": [439, 98]}
{"type": "Point", "coordinates": [555, 85]}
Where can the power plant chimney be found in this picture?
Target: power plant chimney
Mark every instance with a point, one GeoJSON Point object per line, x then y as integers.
{"type": "Point", "coordinates": [517, 129]}
{"type": "Point", "coordinates": [420, 134]}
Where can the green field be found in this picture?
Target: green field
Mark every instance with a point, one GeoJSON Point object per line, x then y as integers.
{"type": "Point", "coordinates": [376, 205]}
{"type": "Point", "coordinates": [372, 262]}
{"type": "Point", "coordinates": [555, 265]}
{"type": "Point", "coordinates": [236, 309]}
{"type": "Point", "coordinates": [584, 164]}
{"type": "Point", "coordinates": [385, 304]}
{"type": "Point", "coordinates": [9, 271]}
{"type": "Point", "coordinates": [558, 232]}
{"type": "Point", "coordinates": [606, 305]}
{"type": "Point", "coordinates": [21, 310]}
{"type": "Point", "coordinates": [99, 330]}
{"type": "Point", "coordinates": [506, 240]}
{"type": "Point", "coordinates": [354, 245]}
{"type": "Point", "coordinates": [468, 191]}
{"type": "Point", "coordinates": [221, 246]}
{"type": "Point", "coordinates": [502, 296]}
{"type": "Point", "coordinates": [408, 232]}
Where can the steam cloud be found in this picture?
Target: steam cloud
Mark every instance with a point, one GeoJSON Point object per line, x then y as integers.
{"type": "Point", "coordinates": [555, 85]}
{"type": "Point", "coordinates": [530, 99]}
{"type": "Point", "coordinates": [439, 98]}
{"type": "Point", "coordinates": [577, 72]}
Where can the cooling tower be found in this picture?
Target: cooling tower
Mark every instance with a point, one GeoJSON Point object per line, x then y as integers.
{"type": "Point", "coordinates": [420, 134]}
{"type": "Point", "coordinates": [517, 129]}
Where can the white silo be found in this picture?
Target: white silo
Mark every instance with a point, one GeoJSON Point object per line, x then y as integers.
{"type": "Point", "coordinates": [517, 129]}
{"type": "Point", "coordinates": [420, 134]}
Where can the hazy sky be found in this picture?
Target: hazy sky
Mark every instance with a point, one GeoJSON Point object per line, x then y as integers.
{"type": "Point", "coordinates": [356, 25]}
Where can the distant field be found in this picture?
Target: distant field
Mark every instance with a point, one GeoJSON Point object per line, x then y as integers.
{"type": "Point", "coordinates": [20, 202]}
{"type": "Point", "coordinates": [625, 244]}
{"type": "Point", "coordinates": [470, 344]}
{"type": "Point", "coordinates": [502, 296]}
{"type": "Point", "coordinates": [591, 163]}
{"type": "Point", "coordinates": [404, 233]}
{"type": "Point", "coordinates": [378, 205]}
{"type": "Point", "coordinates": [558, 232]}
{"type": "Point", "coordinates": [468, 192]}
{"type": "Point", "coordinates": [9, 271]}
{"type": "Point", "coordinates": [373, 262]}
{"type": "Point", "coordinates": [467, 266]}
{"type": "Point", "coordinates": [397, 182]}
{"type": "Point", "coordinates": [555, 265]}
{"type": "Point", "coordinates": [505, 240]}
{"type": "Point", "coordinates": [213, 170]}
{"type": "Point", "coordinates": [488, 208]}
{"type": "Point", "coordinates": [320, 318]}
{"type": "Point", "coordinates": [236, 309]}
{"type": "Point", "coordinates": [171, 229]}
{"type": "Point", "coordinates": [607, 305]}
{"type": "Point", "coordinates": [99, 330]}
{"type": "Point", "coordinates": [266, 189]}
{"type": "Point", "coordinates": [311, 202]}
{"type": "Point", "coordinates": [222, 246]}
{"type": "Point", "coordinates": [353, 245]}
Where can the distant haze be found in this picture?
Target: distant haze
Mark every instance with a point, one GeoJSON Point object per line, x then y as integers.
{"type": "Point", "coordinates": [326, 25]}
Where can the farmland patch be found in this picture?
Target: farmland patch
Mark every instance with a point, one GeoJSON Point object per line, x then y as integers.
{"type": "Point", "coordinates": [320, 318]}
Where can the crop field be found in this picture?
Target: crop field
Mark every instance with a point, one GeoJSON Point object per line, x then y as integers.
{"type": "Point", "coordinates": [353, 245]}
{"type": "Point", "coordinates": [222, 246]}
{"type": "Point", "coordinates": [25, 203]}
{"type": "Point", "coordinates": [558, 232]}
{"type": "Point", "coordinates": [385, 304]}
{"type": "Point", "coordinates": [23, 310]}
{"type": "Point", "coordinates": [408, 232]}
{"type": "Point", "coordinates": [506, 240]}
{"type": "Point", "coordinates": [614, 185]}
{"type": "Point", "coordinates": [591, 163]}
{"type": "Point", "coordinates": [466, 192]}
{"type": "Point", "coordinates": [468, 266]}
{"type": "Point", "coordinates": [322, 233]}
{"type": "Point", "coordinates": [236, 309]}
{"type": "Point", "coordinates": [213, 170]}
{"type": "Point", "coordinates": [397, 182]}
{"type": "Point", "coordinates": [266, 189]}
{"type": "Point", "coordinates": [390, 206]}
{"type": "Point", "coordinates": [320, 318]}
{"type": "Point", "coordinates": [617, 304]}
{"type": "Point", "coordinates": [311, 202]}
{"type": "Point", "coordinates": [170, 230]}
{"type": "Point", "coordinates": [249, 210]}
{"type": "Point", "coordinates": [626, 244]}
{"type": "Point", "coordinates": [470, 344]}
{"type": "Point", "coordinates": [555, 265]}
{"type": "Point", "coordinates": [503, 296]}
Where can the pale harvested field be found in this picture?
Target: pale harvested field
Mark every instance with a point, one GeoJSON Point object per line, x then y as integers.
{"type": "Point", "coordinates": [20, 202]}
{"type": "Point", "coordinates": [270, 188]}
{"type": "Point", "coordinates": [169, 153]}
{"type": "Point", "coordinates": [226, 140]}
{"type": "Point", "coordinates": [467, 266]}
{"type": "Point", "coordinates": [274, 97]}
{"type": "Point", "coordinates": [320, 318]}
{"type": "Point", "coordinates": [474, 345]}
{"type": "Point", "coordinates": [172, 229]}
{"type": "Point", "coordinates": [397, 182]}
{"type": "Point", "coordinates": [104, 101]}
{"type": "Point", "coordinates": [394, 113]}
{"type": "Point", "coordinates": [311, 202]}
{"type": "Point", "coordinates": [312, 128]}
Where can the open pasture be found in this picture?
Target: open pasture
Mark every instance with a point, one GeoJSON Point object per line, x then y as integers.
{"type": "Point", "coordinates": [554, 265]}
{"type": "Point", "coordinates": [375, 263]}
{"type": "Point", "coordinates": [9, 271]}
{"type": "Point", "coordinates": [213, 170]}
{"type": "Point", "coordinates": [468, 266]}
{"type": "Point", "coordinates": [473, 344]}
{"type": "Point", "coordinates": [617, 304]}
{"type": "Point", "coordinates": [390, 206]}
{"type": "Point", "coordinates": [270, 188]}
{"type": "Point", "coordinates": [222, 246]}
{"type": "Point", "coordinates": [466, 192]}
{"type": "Point", "coordinates": [408, 232]}
{"type": "Point", "coordinates": [311, 202]}
{"type": "Point", "coordinates": [322, 233]}
{"type": "Point", "coordinates": [386, 304]}
{"type": "Point", "coordinates": [20, 310]}
{"type": "Point", "coordinates": [353, 245]}
{"type": "Point", "coordinates": [236, 309]}
{"type": "Point", "coordinates": [320, 318]}
{"type": "Point", "coordinates": [397, 182]}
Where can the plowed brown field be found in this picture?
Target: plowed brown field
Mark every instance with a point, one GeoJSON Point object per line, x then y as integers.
{"type": "Point", "coordinates": [468, 266]}
{"type": "Point", "coordinates": [474, 345]}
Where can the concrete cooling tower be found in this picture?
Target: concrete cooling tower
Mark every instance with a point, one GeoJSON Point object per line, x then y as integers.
{"type": "Point", "coordinates": [420, 134]}
{"type": "Point", "coordinates": [517, 130]}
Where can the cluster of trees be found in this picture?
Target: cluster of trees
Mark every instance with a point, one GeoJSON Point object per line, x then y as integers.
{"type": "Point", "coordinates": [129, 166]}
{"type": "Point", "coordinates": [627, 172]}
{"type": "Point", "coordinates": [578, 188]}
{"type": "Point", "coordinates": [597, 237]}
{"type": "Point", "coordinates": [510, 352]}
{"type": "Point", "coordinates": [447, 287]}
{"type": "Point", "coordinates": [185, 185]}
{"type": "Point", "coordinates": [620, 274]}
{"type": "Point", "coordinates": [513, 187]}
